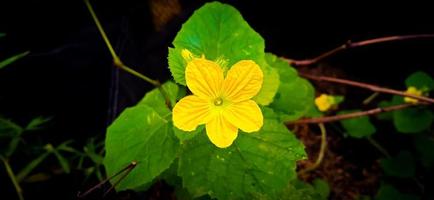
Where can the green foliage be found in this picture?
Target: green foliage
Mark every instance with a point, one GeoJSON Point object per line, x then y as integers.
{"type": "Point", "coordinates": [359, 127]}
{"type": "Point", "coordinates": [425, 148]}
{"type": "Point", "coordinates": [12, 59]}
{"type": "Point", "coordinates": [300, 190]}
{"type": "Point", "coordinates": [420, 80]}
{"type": "Point", "coordinates": [402, 165]}
{"type": "Point", "coordinates": [322, 187]}
{"type": "Point", "coordinates": [295, 95]}
{"type": "Point", "coordinates": [143, 134]}
{"type": "Point", "coordinates": [219, 32]}
{"type": "Point", "coordinates": [388, 192]}
{"type": "Point", "coordinates": [412, 120]}
{"type": "Point", "coordinates": [261, 162]}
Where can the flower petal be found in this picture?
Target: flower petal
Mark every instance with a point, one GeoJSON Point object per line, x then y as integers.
{"type": "Point", "coordinates": [243, 81]}
{"type": "Point", "coordinates": [220, 132]}
{"type": "Point", "coordinates": [190, 112]}
{"type": "Point", "coordinates": [204, 78]}
{"type": "Point", "coordinates": [245, 115]}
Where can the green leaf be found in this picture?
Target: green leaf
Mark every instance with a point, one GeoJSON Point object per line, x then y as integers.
{"type": "Point", "coordinates": [31, 166]}
{"type": "Point", "coordinates": [269, 86]}
{"type": "Point", "coordinates": [219, 32]}
{"type": "Point", "coordinates": [13, 144]}
{"type": "Point", "coordinates": [156, 100]}
{"type": "Point", "coordinates": [425, 148]}
{"type": "Point", "coordinates": [412, 120]}
{"type": "Point", "coordinates": [401, 166]}
{"type": "Point", "coordinates": [139, 134]}
{"type": "Point", "coordinates": [12, 59]}
{"type": "Point", "coordinates": [62, 161]}
{"type": "Point", "coordinates": [9, 128]}
{"type": "Point", "coordinates": [262, 162]}
{"type": "Point", "coordinates": [2, 35]}
{"type": "Point", "coordinates": [420, 80]}
{"type": "Point", "coordinates": [358, 127]}
{"type": "Point", "coordinates": [37, 123]}
{"type": "Point", "coordinates": [297, 189]}
{"type": "Point", "coordinates": [388, 192]}
{"type": "Point", "coordinates": [322, 187]}
{"type": "Point", "coordinates": [185, 135]}
{"type": "Point", "coordinates": [338, 99]}
{"type": "Point", "coordinates": [295, 96]}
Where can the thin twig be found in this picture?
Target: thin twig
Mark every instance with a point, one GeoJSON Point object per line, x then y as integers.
{"type": "Point", "coordinates": [323, 149]}
{"type": "Point", "coordinates": [12, 177]}
{"type": "Point", "coordinates": [378, 146]}
{"type": "Point", "coordinates": [334, 118]}
{"type": "Point", "coordinates": [116, 60]}
{"type": "Point", "coordinates": [349, 45]}
{"type": "Point", "coordinates": [370, 98]}
{"type": "Point", "coordinates": [366, 86]}
{"type": "Point", "coordinates": [127, 168]}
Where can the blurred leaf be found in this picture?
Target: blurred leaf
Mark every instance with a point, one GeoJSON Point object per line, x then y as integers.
{"type": "Point", "coordinates": [425, 148]}
{"type": "Point", "coordinates": [388, 192]}
{"type": "Point", "coordinates": [295, 96]}
{"type": "Point", "coordinates": [37, 123]}
{"type": "Point", "coordinates": [412, 120]}
{"type": "Point", "coordinates": [31, 166]}
{"type": "Point", "coordinates": [12, 59]}
{"type": "Point", "coordinates": [262, 162]}
{"type": "Point", "coordinates": [2, 35]}
{"type": "Point", "coordinates": [358, 127]}
{"type": "Point", "coordinates": [402, 165]}
{"type": "Point", "coordinates": [322, 187]}
{"type": "Point", "coordinates": [338, 99]}
{"type": "Point", "coordinates": [63, 162]}
{"type": "Point", "coordinates": [140, 134]}
{"type": "Point", "coordinates": [13, 144]}
{"type": "Point", "coordinates": [420, 80]}
{"type": "Point", "coordinates": [9, 128]}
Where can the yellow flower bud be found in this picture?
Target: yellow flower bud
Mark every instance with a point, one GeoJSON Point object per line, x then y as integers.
{"type": "Point", "coordinates": [414, 91]}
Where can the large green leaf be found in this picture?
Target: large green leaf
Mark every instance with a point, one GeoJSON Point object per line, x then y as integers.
{"type": "Point", "coordinates": [402, 165]}
{"type": "Point", "coordinates": [425, 148]}
{"type": "Point", "coordinates": [297, 189]}
{"type": "Point", "coordinates": [262, 162]}
{"type": "Point", "coordinates": [358, 127]}
{"type": "Point", "coordinates": [388, 192]}
{"type": "Point", "coordinates": [139, 134]}
{"type": "Point", "coordinates": [295, 96]}
{"type": "Point", "coordinates": [219, 32]}
{"type": "Point", "coordinates": [156, 100]}
{"type": "Point", "coordinates": [412, 120]}
{"type": "Point", "coordinates": [420, 80]}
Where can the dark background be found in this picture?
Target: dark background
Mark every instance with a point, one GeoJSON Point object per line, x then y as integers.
{"type": "Point", "coordinates": [69, 75]}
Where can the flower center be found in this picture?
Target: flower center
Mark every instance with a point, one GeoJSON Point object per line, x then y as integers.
{"type": "Point", "coordinates": [218, 101]}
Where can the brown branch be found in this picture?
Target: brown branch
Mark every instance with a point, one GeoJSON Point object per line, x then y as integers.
{"type": "Point", "coordinates": [366, 86]}
{"type": "Point", "coordinates": [350, 45]}
{"type": "Point", "coordinates": [328, 119]}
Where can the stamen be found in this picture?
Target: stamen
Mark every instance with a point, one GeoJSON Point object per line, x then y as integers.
{"type": "Point", "coordinates": [218, 101]}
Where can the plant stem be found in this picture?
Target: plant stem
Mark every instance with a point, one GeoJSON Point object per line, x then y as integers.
{"type": "Point", "coordinates": [349, 45]}
{"type": "Point", "coordinates": [370, 98]}
{"type": "Point", "coordinates": [116, 60]}
{"type": "Point", "coordinates": [323, 149]}
{"type": "Point", "coordinates": [327, 119]}
{"type": "Point", "coordinates": [378, 146]}
{"type": "Point", "coordinates": [12, 177]}
{"type": "Point", "coordinates": [366, 86]}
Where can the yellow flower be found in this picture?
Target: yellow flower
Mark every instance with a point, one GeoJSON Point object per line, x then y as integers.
{"type": "Point", "coordinates": [324, 102]}
{"type": "Point", "coordinates": [222, 104]}
{"type": "Point", "coordinates": [414, 91]}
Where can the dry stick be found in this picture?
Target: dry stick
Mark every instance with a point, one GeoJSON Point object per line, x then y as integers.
{"type": "Point", "coordinates": [328, 119]}
{"type": "Point", "coordinates": [128, 168]}
{"type": "Point", "coordinates": [351, 44]}
{"type": "Point", "coordinates": [366, 86]}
